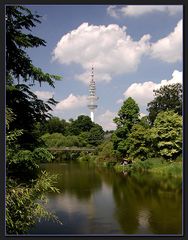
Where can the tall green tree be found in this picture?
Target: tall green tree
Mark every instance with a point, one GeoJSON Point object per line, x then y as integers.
{"type": "Point", "coordinates": [167, 134]}
{"type": "Point", "coordinates": [21, 74]}
{"type": "Point", "coordinates": [168, 97]}
{"type": "Point", "coordinates": [128, 115]}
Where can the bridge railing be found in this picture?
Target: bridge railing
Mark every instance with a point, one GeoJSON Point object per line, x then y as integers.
{"type": "Point", "coordinates": [69, 149]}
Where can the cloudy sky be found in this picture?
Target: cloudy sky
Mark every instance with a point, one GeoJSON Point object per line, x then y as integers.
{"type": "Point", "coordinates": [134, 49]}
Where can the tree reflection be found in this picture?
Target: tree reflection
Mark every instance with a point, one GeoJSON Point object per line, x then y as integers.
{"type": "Point", "coordinates": [144, 203]}
{"type": "Point", "coordinates": [136, 195]}
{"type": "Point", "coordinates": [77, 179]}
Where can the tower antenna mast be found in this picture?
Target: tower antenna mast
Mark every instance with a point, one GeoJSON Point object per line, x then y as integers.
{"type": "Point", "coordinates": [92, 98]}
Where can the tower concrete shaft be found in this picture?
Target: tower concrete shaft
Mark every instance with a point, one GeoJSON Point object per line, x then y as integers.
{"type": "Point", "coordinates": [92, 98]}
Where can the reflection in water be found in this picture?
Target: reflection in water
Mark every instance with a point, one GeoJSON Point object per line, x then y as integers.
{"type": "Point", "coordinates": [99, 200]}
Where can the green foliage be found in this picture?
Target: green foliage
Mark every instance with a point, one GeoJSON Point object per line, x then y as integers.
{"type": "Point", "coordinates": [95, 136]}
{"type": "Point", "coordinates": [12, 136]}
{"type": "Point", "coordinates": [89, 135]}
{"type": "Point", "coordinates": [58, 140]}
{"type": "Point", "coordinates": [42, 155]}
{"type": "Point", "coordinates": [106, 152]}
{"type": "Point", "coordinates": [55, 125]}
{"type": "Point", "coordinates": [22, 209]}
{"type": "Point", "coordinates": [22, 166]}
{"type": "Point", "coordinates": [168, 97]}
{"type": "Point", "coordinates": [128, 115]}
{"type": "Point", "coordinates": [139, 143]}
{"type": "Point", "coordinates": [81, 124]}
{"type": "Point", "coordinates": [22, 100]}
{"type": "Point", "coordinates": [24, 109]}
{"type": "Point", "coordinates": [19, 22]}
{"type": "Point", "coordinates": [167, 134]}
{"type": "Point", "coordinates": [19, 67]}
{"type": "Point", "coordinates": [144, 121]}
{"type": "Point", "coordinates": [137, 166]}
{"type": "Point", "coordinates": [86, 157]}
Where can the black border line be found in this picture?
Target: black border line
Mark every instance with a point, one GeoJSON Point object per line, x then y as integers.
{"type": "Point", "coordinates": [2, 117]}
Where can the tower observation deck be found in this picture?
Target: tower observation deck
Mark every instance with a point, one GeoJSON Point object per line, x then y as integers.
{"type": "Point", "coordinates": [92, 98]}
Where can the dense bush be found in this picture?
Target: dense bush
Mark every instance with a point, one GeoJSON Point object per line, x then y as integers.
{"type": "Point", "coordinates": [59, 140]}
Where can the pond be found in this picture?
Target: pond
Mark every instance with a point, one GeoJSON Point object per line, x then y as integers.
{"type": "Point", "coordinates": [96, 200]}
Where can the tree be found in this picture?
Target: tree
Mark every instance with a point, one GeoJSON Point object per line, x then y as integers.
{"type": "Point", "coordinates": [167, 134]}
{"type": "Point", "coordinates": [81, 124]}
{"type": "Point", "coordinates": [55, 125]}
{"type": "Point", "coordinates": [19, 21]}
{"type": "Point", "coordinates": [24, 103]}
{"type": "Point", "coordinates": [144, 121]}
{"type": "Point", "coordinates": [168, 97]}
{"type": "Point", "coordinates": [96, 135]}
{"type": "Point", "coordinates": [23, 186]}
{"type": "Point", "coordinates": [139, 142]}
{"type": "Point", "coordinates": [128, 115]}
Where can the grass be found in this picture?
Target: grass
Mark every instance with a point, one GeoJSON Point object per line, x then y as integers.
{"type": "Point", "coordinates": [157, 166]}
{"type": "Point", "coordinates": [173, 169]}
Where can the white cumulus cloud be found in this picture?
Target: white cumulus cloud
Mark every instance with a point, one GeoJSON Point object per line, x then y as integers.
{"type": "Point", "coordinates": [169, 49]}
{"type": "Point", "coordinates": [106, 120]}
{"type": "Point", "coordinates": [112, 51]}
{"type": "Point", "coordinates": [108, 48]}
{"type": "Point", "coordinates": [44, 94]}
{"type": "Point", "coordinates": [142, 93]}
{"type": "Point", "coordinates": [72, 102]}
{"type": "Point", "coordinates": [140, 10]}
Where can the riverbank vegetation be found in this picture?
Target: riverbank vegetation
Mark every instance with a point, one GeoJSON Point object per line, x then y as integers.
{"type": "Point", "coordinates": [150, 143]}
{"type": "Point", "coordinates": [146, 144]}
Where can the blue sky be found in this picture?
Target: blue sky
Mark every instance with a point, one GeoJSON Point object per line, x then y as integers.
{"type": "Point", "coordinates": [134, 49]}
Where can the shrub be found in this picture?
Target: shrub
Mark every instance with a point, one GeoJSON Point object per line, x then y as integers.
{"type": "Point", "coordinates": [22, 209]}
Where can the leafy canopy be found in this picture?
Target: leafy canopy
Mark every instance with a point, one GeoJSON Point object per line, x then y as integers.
{"type": "Point", "coordinates": [128, 115]}
{"type": "Point", "coordinates": [167, 133]}
{"type": "Point", "coordinates": [168, 97]}
{"type": "Point", "coordinates": [19, 22]}
{"type": "Point", "coordinates": [26, 106]}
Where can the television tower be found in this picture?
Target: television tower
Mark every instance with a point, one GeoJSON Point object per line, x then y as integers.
{"type": "Point", "coordinates": [92, 98]}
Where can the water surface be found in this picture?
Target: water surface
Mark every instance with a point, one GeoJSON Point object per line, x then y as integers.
{"type": "Point", "coordinates": [95, 200]}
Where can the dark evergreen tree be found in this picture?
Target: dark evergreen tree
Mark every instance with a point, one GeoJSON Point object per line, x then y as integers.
{"type": "Point", "coordinates": [21, 74]}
